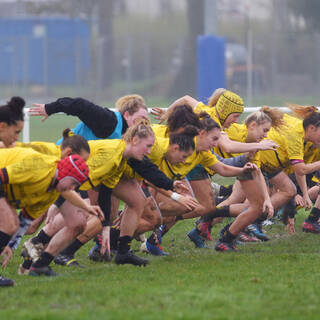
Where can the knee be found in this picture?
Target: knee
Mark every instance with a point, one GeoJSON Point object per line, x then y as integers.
{"type": "Point", "coordinates": [94, 225]}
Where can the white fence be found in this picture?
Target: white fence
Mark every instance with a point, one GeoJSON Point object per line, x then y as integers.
{"type": "Point", "coordinates": [26, 128]}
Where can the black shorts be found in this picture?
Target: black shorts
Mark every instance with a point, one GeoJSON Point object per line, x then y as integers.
{"type": "Point", "coordinates": [197, 173]}
{"type": "Point", "coordinates": [270, 175]}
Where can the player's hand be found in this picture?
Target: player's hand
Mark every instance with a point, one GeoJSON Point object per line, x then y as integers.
{"type": "Point", "coordinates": [39, 109]}
{"type": "Point", "coordinates": [268, 208]}
{"type": "Point", "coordinates": [52, 212]}
{"type": "Point", "coordinates": [187, 201]}
{"type": "Point", "coordinates": [290, 226]}
{"type": "Point", "coordinates": [180, 187]}
{"type": "Point", "coordinates": [267, 144]}
{"type": "Point", "coordinates": [249, 167]}
{"type": "Point", "coordinates": [307, 202]}
{"type": "Point", "coordinates": [96, 211]}
{"type": "Point", "coordinates": [299, 200]}
{"type": "Point", "coordinates": [105, 246]}
{"type": "Point", "coordinates": [7, 253]}
{"type": "Point", "coordinates": [159, 114]}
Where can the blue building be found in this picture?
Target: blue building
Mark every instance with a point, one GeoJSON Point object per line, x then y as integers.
{"type": "Point", "coordinates": [44, 51]}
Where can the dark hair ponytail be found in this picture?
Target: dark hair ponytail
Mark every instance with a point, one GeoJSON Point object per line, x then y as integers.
{"type": "Point", "coordinates": [12, 112]}
{"type": "Point", "coordinates": [207, 123]}
{"type": "Point", "coordinates": [181, 116]}
{"type": "Point", "coordinates": [309, 114]}
{"type": "Point", "coordinates": [74, 141]}
{"type": "Point", "coordinates": [185, 139]}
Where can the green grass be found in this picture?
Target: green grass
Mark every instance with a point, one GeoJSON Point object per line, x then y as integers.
{"type": "Point", "coordinates": [50, 130]}
{"type": "Point", "coordinates": [273, 280]}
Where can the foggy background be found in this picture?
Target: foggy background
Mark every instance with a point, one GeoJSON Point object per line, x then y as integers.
{"type": "Point", "coordinates": [103, 49]}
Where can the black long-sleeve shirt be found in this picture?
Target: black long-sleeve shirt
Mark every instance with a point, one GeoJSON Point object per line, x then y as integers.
{"type": "Point", "coordinates": [102, 121]}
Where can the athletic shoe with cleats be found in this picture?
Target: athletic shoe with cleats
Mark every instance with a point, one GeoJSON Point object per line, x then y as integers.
{"type": "Point", "coordinates": [256, 230]}
{"type": "Point", "coordinates": [22, 271]}
{"type": "Point", "coordinates": [96, 256]}
{"type": "Point", "coordinates": [42, 271]}
{"type": "Point", "coordinates": [23, 268]}
{"type": "Point", "coordinates": [143, 247]}
{"type": "Point", "coordinates": [268, 222]}
{"type": "Point", "coordinates": [130, 258]}
{"type": "Point", "coordinates": [244, 237]}
{"type": "Point", "coordinates": [33, 250]}
{"type": "Point", "coordinates": [224, 246]}
{"type": "Point", "coordinates": [5, 282]}
{"type": "Point", "coordinates": [204, 228]}
{"type": "Point", "coordinates": [309, 226]}
{"type": "Point", "coordinates": [155, 250]}
{"type": "Point", "coordinates": [195, 237]}
{"type": "Point", "coordinates": [65, 260]}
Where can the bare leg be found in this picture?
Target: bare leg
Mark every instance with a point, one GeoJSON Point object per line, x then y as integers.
{"type": "Point", "coordinates": [75, 222]}
{"type": "Point", "coordinates": [285, 190]}
{"type": "Point", "coordinates": [9, 222]}
{"type": "Point", "coordinates": [255, 198]}
{"type": "Point", "coordinates": [130, 192]}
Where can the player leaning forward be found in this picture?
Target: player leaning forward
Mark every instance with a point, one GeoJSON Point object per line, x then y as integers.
{"type": "Point", "coordinates": [32, 181]}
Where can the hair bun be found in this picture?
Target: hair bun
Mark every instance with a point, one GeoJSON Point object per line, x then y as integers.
{"type": "Point", "coordinates": [190, 130]}
{"type": "Point", "coordinates": [17, 103]}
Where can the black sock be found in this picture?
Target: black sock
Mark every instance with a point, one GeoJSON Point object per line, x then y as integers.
{"type": "Point", "coordinates": [225, 191]}
{"type": "Point", "coordinates": [4, 240]}
{"type": "Point", "coordinates": [42, 237]}
{"type": "Point", "coordinates": [124, 244]}
{"type": "Point", "coordinates": [27, 263]}
{"type": "Point", "coordinates": [44, 260]}
{"type": "Point", "coordinates": [228, 237]}
{"type": "Point", "coordinates": [289, 210]}
{"type": "Point", "coordinates": [72, 248]}
{"type": "Point", "coordinates": [314, 215]}
{"type": "Point", "coordinates": [153, 239]}
{"type": "Point", "coordinates": [114, 237]}
{"type": "Point", "coordinates": [218, 212]}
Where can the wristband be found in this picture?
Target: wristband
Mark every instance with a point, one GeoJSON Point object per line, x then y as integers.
{"type": "Point", "coordinates": [175, 196]}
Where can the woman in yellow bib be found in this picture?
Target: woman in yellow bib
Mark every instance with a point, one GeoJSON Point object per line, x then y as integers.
{"type": "Point", "coordinates": [32, 182]}
{"type": "Point", "coordinates": [11, 124]}
{"type": "Point", "coordinates": [107, 162]}
{"type": "Point", "coordinates": [74, 144]}
{"type": "Point", "coordinates": [253, 130]}
{"type": "Point", "coordinates": [291, 138]}
{"type": "Point", "coordinates": [229, 106]}
{"type": "Point", "coordinates": [207, 138]}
